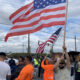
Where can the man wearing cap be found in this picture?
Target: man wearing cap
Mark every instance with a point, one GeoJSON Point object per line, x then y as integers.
{"type": "Point", "coordinates": [4, 67]}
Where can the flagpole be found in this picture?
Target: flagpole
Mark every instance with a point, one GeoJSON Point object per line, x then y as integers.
{"type": "Point", "coordinates": [65, 22]}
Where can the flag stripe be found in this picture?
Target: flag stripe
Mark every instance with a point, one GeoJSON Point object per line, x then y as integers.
{"type": "Point", "coordinates": [50, 8]}
{"type": "Point", "coordinates": [16, 18]}
{"type": "Point", "coordinates": [22, 32]}
{"type": "Point", "coordinates": [20, 10]}
{"type": "Point", "coordinates": [38, 49]}
{"type": "Point", "coordinates": [46, 10]}
{"type": "Point", "coordinates": [47, 19]}
{"type": "Point", "coordinates": [50, 41]}
{"type": "Point", "coordinates": [53, 36]}
{"type": "Point", "coordinates": [46, 24]}
{"type": "Point", "coordinates": [58, 14]}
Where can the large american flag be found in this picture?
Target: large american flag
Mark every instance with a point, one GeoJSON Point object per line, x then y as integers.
{"type": "Point", "coordinates": [52, 40]}
{"type": "Point", "coordinates": [37, 15]}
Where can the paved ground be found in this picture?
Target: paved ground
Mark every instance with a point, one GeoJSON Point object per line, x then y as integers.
{"type": "Point", "coordinates": [36, 75]}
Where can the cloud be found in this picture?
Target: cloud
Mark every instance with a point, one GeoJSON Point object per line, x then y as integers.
{"type": "Point", "coordinates": [74, 8]}
{"type": "Point", "coordinates": [4, 13]}
{"type": "Point", "coordinates": [27, 1]}
{"type": "Point", "coordinates": [7, 7]}
{"type": "Point", "coordinates": [73, 28]}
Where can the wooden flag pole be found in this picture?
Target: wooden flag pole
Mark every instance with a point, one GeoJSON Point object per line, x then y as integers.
{"type": "Point", "coordinates": [65, 22]}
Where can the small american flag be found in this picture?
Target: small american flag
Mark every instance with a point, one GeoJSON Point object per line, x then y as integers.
{"type": "Point", "coordinates": [52, 40]}
{"type": "Point", "coordinates": [40, 49]}
{"type": "Point", "coordinates": [37, 15]}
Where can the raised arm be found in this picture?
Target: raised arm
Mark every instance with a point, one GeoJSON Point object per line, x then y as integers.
{"type": "Point", "coordinates": [58, 62]}
{"type": "Point", "coordinates": [67, 57]}
{"type": "Point", "coordinates": [42, 64]}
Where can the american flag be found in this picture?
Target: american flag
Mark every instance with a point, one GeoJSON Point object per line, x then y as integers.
{"type": "Point", "coordinates": [37, 15]}
{"type": "Point", "coordinates": [41, 47]}
{"type": "Point", "coordinates": [52, 40]}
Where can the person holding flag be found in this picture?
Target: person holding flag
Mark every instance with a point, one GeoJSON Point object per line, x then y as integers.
{"type": "Point", "coordinates": [64, 68]}
{"type": "Point", "coordinates": [49, 67]}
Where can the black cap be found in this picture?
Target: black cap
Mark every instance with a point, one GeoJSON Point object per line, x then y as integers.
{"type": "Point", "coordinates": [22, 58]}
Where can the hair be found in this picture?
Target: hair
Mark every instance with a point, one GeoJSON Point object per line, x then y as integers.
{"type": "Point", "coordinates": [73, 54]}
{"type": "Point", "coordinates": [2, 54]}
{"type": "Point", "coordinates": [22, 58]}
{"type": "Point", "coordinates": [29, 58]}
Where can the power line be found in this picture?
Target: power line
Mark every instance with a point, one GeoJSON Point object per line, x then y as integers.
{"type": "Point", "coordinates": [46, 32]}
{"type": "Point", "coordinates": [60, 35]}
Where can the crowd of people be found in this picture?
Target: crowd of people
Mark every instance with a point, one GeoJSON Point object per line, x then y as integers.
{"type": "Point", "coordinates": [65, 67]}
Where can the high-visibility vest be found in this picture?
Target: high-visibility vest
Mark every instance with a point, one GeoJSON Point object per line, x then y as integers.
{"type": "Point", "coordinates": [35, 62]}
{"type": "Point", "coordinates": [78, 70]}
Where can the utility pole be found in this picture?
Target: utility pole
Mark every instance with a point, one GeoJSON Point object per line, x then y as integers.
{"type": "Point", "coordinates": [28, 43]}
{"type": "Point", "coordinates": [23, 47]}
{"type": "Point", "coordinates": [51, 50]}
{"type": "Point", "coordinates": [75, 44]}
{"type": "Point", "coordinates": [52, 47]}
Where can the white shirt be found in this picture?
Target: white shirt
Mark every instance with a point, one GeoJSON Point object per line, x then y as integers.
{"type": "Point", "coordinates": [4, 70]}
{"type": "Point", "coordinates": [62, 74]}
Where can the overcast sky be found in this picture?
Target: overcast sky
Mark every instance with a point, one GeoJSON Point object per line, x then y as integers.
{"type": "Point", "coordinates": [19, 44]}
